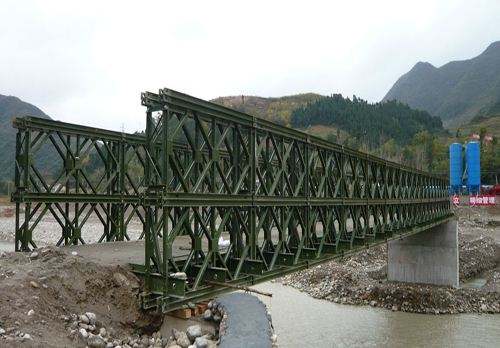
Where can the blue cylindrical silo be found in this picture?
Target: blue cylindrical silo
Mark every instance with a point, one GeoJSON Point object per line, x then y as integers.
{"type": "Point", "coordinates": [456, 167]}
{"type": "Point", "coordinates": [472, 156]}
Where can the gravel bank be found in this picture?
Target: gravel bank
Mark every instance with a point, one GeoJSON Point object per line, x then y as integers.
{"type": "Point", "coordinates": [361, 279]}
{"type": "Point", "coordinates": [48, 230]}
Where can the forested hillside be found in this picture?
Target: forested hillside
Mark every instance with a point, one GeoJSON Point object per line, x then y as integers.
{"type": "Point", "coordinates": [374, 123]}
{"type": "Point", "coordinates": [11, 107]}
{"type": "Point", "coordinates": [391, 130]}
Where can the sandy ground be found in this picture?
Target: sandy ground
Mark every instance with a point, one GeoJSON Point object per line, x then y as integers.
{"type": "Point", "coordinates": [48, 230]}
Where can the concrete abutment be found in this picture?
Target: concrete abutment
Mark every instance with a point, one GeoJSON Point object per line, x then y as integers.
{"type": "Point", "coordinates": [429, 257]}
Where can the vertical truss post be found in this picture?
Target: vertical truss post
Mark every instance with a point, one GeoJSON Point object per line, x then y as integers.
{"type": "Point", "coordinates": [166, 178]}
{"type": "Point", "coordinates": [67, 229]}
{"type": "Point", "coordinates": [148, 221]}
{"type": "Point", "coordinates": [196, 153]}
{"type": "Point", "coordinates": [118, 208]}
{"type": "Point", "coordinates": [108, 227]}
{"type": "Point", "coordinates": [235, 235]}
{"type": "Point", "coordinates": [17, 180]}
{"type": "Point", "coordinates": [25, 230]}
{"type": "Point", "coordinates": [76, 169]}
{"type": "Point", "coordinates": [253, 177]}
{"type": "Point", "coordinates": [308, 218]}
{"type": "Point", "coordinates": [214, 245]}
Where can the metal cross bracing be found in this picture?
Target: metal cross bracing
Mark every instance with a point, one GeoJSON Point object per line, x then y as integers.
{"type": "Point", "coordinates": [283, 199]}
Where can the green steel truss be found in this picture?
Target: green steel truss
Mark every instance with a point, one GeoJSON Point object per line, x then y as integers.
{"type": "Point", "coordinates": [284, 200]}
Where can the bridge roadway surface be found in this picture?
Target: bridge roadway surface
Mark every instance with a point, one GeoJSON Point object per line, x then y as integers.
{"type": "Point", "coordinates": [125, 252]}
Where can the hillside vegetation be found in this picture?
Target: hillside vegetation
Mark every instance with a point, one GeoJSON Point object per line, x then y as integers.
{"type": "Point", "coordinates": [391, 130]}
{"type": "Point", "coordinates": [456, 91]}
{"type": "Point", "coordinates": [277, 110]}
{"type": "Point", "coordinates": [490, 151]}
{"type": "Point", "coordinates": [11, 107]}
{"type": "Point", "coordinates": [374, 123]}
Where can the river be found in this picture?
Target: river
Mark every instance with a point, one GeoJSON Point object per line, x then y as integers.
{"type": "Point", "coordinates": [302, 321]}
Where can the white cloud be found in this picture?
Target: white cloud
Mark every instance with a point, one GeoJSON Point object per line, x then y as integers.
{"type": "Point", "coordinates": [88, 63]}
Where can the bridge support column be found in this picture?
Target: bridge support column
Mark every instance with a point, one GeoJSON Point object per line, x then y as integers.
{"type": "Point", "coordinates": [429, 257]}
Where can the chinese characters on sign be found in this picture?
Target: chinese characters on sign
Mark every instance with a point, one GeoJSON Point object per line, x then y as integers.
{"type": "Point", "coordinates": [482, 200]}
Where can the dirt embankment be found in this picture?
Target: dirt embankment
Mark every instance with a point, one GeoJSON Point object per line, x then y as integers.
{"type": "Point", "coordinates": [44, 294]}
{"type": "Point", "coordinates": [362, 278]}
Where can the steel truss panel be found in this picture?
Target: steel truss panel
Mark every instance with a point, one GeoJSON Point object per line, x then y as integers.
{"type": "Point", "coordinates": [284, 200]}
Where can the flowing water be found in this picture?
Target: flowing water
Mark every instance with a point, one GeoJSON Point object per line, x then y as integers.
{"type": "Point", "coordinates": [302, 321]}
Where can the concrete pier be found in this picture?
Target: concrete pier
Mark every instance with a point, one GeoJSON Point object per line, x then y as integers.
{"type": "Point", "coordinates": [429, 257]}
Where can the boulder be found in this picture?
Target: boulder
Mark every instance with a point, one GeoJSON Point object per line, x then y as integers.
{"type": "Point", "coordinates": [181, 338]}
{"type": "Point", "coordinates": [34, 255]}
{"type": "Point", "coordinates": [92, 317]}
{"type": "Point", "coordinates": [207, 315]}
{"type": "Point", "coordinates": [84, 319]}
{"type": "Point", "coordinates": [96, 342]}
{"type": "Point", "coordinates": [201, 342]}
{"type": "Point", "coordinates": [120, 280]}
{"type": "Point", "coordinates": [83, 333]}
{"type": "Point", "coordinates": [193, 332]}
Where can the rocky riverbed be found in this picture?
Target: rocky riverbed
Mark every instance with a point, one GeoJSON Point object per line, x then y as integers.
{"type": "Point", "coordinates": [361, 279]}
{"type": "Point", "coordinates": [49, 298]}
{"type": "Point", "coordinates": [43, 293]}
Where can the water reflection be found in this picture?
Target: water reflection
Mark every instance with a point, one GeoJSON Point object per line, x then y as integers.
{"type": "Point", "coordinates": [301, 321]}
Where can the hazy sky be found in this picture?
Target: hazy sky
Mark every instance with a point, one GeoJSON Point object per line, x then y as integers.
{"type": "Point", "coordinates": [88, 63]}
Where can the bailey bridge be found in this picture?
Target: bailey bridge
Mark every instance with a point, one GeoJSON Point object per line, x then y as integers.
{"type": "Point", "coordinates": [282, 200]}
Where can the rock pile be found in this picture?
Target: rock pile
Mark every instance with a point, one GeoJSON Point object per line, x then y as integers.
{"type": "Point", "coordinates": [476, 255]}
{"type": "Point", "coordinates": [40, 290]}
{"type": "Point", "coordinates": [12, 335]}
{"type": "Point", "coordinates": [91, 332]}
{"type": "Point", "coordinates": [361, 280]}
{"type": "Point", "coordinates": [192, 338]}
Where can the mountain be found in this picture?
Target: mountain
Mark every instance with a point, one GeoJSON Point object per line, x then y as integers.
{"type": "Point", "coordinates": [11, 107]}
{"type": "Point", "coordinates": [456, 91]}
{"type": "Point", "coordinates": [277, 110]}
